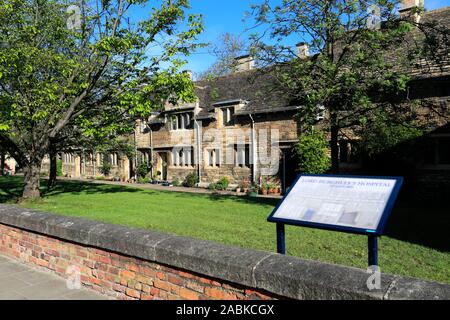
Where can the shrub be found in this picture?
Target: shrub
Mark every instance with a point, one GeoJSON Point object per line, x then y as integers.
{"type": "Point", "coordinates": [312, 153]}
{"type": "Point", "coordinates": [143, 170]}
{"type": "Point", "coordinates": [105, 169]}
{"type": "Point", "coordinates": [143, 180]}
{"type": "Point", "coordinates": [176, 183]}
{"type": "Point", "coordinates": [223, 183]}
{"type": "Point", "coordinates": [212, 186]}
{"type": "Point", "coordinates": [191, 180]}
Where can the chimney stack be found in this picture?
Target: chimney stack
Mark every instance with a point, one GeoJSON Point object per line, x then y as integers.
{"type": "Point", "coordinates": [408, 7]}
{"type": "Point", "coordinates": [245, 63]}
{"type": "Point", "coordinates": [302, 50]}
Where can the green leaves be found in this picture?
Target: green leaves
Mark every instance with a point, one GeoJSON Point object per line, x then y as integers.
{"type": "Point", "coordinates": [59, 84]}
{"type": "Point", "coordinates": [381, 133]}
{"type": "Point", "coordinates": [312, 152]}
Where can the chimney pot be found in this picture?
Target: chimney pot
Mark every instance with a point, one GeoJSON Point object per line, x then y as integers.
{"type": "Point", "coordinates": [245, 63]}
{"type": "Point", "coordinates": [302, 50]}
{"type": "Point", "coordinates": [407, 9]}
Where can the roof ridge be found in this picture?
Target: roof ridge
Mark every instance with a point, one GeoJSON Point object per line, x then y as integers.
{"type": "Point", "coordinates": [437, 10]}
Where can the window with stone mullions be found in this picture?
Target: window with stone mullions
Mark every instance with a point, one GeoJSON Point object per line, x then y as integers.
{"type": "Point", "coordinates": [227, 116]}
{"type": "Point", "coordinates": [181, 121]}
{"type": "Point", "coordinates": [214, 158]}
{"type": "Point", "coordinates": [242, 153]}
{"type": "Point", "coordinates": [183, 157]}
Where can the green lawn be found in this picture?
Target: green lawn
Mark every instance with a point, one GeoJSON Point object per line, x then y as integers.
{"type": "Point", "coordinates": [412, 247]}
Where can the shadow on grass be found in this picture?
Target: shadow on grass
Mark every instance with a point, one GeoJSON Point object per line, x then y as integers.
{"type": "Point", "coordinates": [245, 199]}
{"type": "Point", "coordinates": [216, 197]}
{"type": "Point", "coordinates": [421, 223]}
{"type": "Point", "coordinates": [11, 188]}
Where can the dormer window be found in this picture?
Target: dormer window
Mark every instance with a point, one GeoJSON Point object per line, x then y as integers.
{"type": "Point", "coordinates": [181, 121]}
{"type": "Point", "coordinates": [228, 117]}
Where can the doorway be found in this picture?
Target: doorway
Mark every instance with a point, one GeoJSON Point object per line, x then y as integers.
{"type": "Point", "coordinates": [162, 165]}
{"type": "Point", "coordinates": [288, 169]}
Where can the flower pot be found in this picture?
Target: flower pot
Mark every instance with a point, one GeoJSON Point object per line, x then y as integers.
{"type": "Point", "coordinates": [238, 190]}
{"type": "Point", "coordinates": [264, 192]}
{"type": "Point", "coordinates": [272, 191]}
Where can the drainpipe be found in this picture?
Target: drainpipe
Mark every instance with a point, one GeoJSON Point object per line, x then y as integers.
{"type": "Point", "coordinates": [254, 150]}
{"type": "Point", "coordinates": [135, 156]}
{"type": "Point", "coordinates": [199, 151]}
{"type": "Point", "coordinates": [151, 150]}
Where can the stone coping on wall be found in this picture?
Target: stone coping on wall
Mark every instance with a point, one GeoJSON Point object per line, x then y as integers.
{"type": "Point", "coordinates": [284, 276]}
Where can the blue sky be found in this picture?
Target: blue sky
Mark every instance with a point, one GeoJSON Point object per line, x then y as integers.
{"type": "Point", "coordinates": [219, 16]}
{"type": "Point", "coordinates": [222, 16]}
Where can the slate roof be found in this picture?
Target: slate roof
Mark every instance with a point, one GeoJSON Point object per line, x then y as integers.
{"type": "Point", "coordinates": [256, 89]}
{"type": "Point", "coordinates": [429, 68]}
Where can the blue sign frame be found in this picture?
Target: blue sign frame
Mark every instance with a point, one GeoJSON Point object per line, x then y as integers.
{"type": "Point", "coordinates": [383, 221]}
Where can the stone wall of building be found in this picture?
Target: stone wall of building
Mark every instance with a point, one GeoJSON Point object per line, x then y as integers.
{"type": "Point", "coordinates": [80, 166]}
{"type": "Point", "coordinates": [271, 129]}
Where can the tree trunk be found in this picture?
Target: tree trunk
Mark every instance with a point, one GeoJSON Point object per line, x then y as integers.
{"type": "Point", "coordinates": [334, 145]}
{"type": "Point", "coordinates": [32, 180]}
{"type": "Point", "coordinates": [2, 163]}
{"type": "Point", "coordinates": [53, 169]}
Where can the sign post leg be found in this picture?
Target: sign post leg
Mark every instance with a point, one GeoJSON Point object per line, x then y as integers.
{"type": "Point", "coordinates": [281, 241]}
{"type": "Point", "coordinates": [373, 251]}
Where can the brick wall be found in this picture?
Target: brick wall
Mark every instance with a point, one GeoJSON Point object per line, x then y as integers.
{"type": "Point", "coordinates": [116, 275]}
{"type": "Point", "coordinates": [140, 264]}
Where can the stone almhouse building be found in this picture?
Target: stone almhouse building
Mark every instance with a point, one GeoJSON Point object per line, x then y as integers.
{"type": "Point", "coordinates": [242, 129]}
{"type": "Point", "coordinates": [233, 130]}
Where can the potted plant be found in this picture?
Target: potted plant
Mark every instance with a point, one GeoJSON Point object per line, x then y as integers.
{"type": "Point", "coordinates": [253, 191]}
{"type": "Point", "coordinates": [272, 188]}
{"type": "Point", "coordinates": [264, 188]}
{"type": "Point", "coordinates": [278, 190]}
{"type": "Point", "coordinates": [245, 186]}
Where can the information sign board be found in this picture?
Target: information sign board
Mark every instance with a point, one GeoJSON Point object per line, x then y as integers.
{"type": "Point", "coordinates": [343, 203]}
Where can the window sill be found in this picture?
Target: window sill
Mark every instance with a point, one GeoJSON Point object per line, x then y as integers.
{"type": "Point", "coordinates": [181, 130]}
{"type": "Point", "coordinates": [181, 167]}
